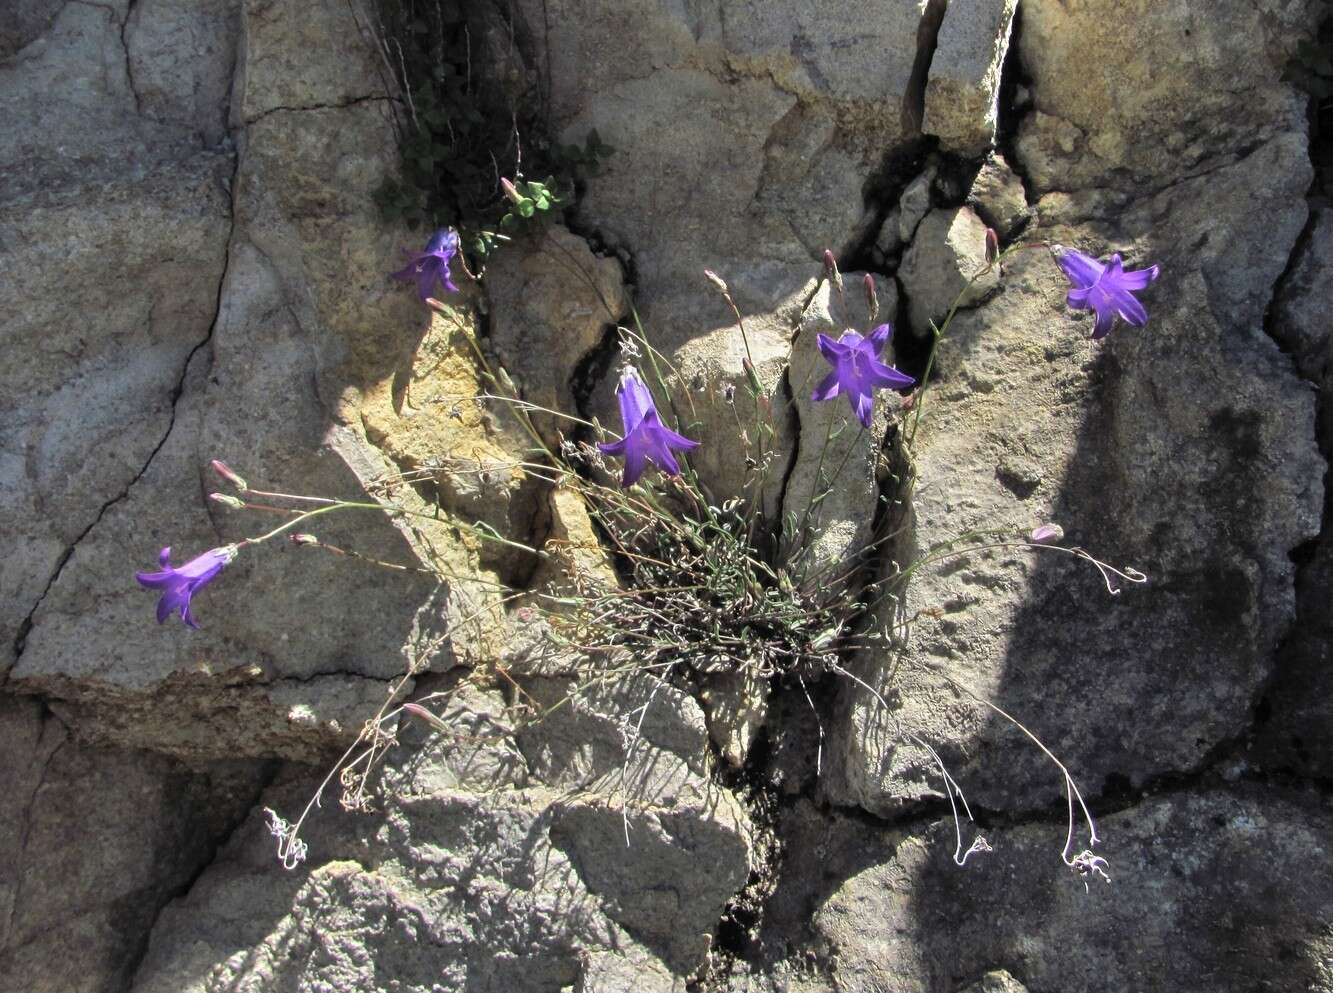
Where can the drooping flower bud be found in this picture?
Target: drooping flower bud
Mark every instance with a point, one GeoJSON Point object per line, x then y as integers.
{"type": "Point", "coordinates": [992, 246]}
{"type": "Point", "coordinates": [1047, 534]}
{"type": "Point", "coordinates": [716, 280]}
{"type": "Point", "coordinates": [227, 500]}
{"type": "Point", "coordinates": [302, 538]}
{"type": "Point", "coordinates": [418, 711]}
{"type": "Point", "coordinates": [511, 191]}
{"type": "Point", "coordinates": [225, 471]}
{"type": "Point", "coordinates": [872, 298]}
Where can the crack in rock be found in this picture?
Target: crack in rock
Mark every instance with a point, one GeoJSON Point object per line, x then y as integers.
{"type": "Point", "coordinates": [26, 625]}
{"type": "Point", "coordinates": [340, 105]}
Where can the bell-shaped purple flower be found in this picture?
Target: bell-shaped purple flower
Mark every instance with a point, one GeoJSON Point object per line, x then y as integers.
{"type": "Point", "coordinates": [646, 439]}
{"type": "Point", "coordinates": [1106, 289]}
{"type": "Point", "coordinates": [179, 585]}
{"type": "Point", "coordinates": [857, 370]}
{"type": "Point", "coordinates": [432, 265]}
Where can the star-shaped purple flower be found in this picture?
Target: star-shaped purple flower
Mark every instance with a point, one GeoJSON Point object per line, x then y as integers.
{"type": "Point", "coordinates": [1106, 289]}
{"type": "Point", "coordinates": [432, 265]}
{"type": "Point", "coordinates": [857, 370]}
{"type": "Point", "coordinates": [179, 585]}
{"type": "Point", "coordinates": [646, 439]}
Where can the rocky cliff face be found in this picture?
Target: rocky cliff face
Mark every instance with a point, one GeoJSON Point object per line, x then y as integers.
{"type": "Point", "coordinates": [195, 269]}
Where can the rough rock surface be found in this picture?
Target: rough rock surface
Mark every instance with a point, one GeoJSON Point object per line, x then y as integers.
{"type": "Point", "coordinates": [282, 345]}
{"type": "Point", "coordinates": [948, 250]}
{"type": "Point", "coordinates": [1001, 447]}
{"type": "Point", "coordinates": [550, 305]}
{"type": "Point", "coordinates": [963, 88]}
{"type": "Point", "coordinates": [1224, 890]}
{"type": "Point", "coordinates": [1299, 732]}
{"type": "Point", "coordinates": [196, 269]}
{"type": "Point", "coordinates": [485, 867]}
{"type": "Point", "coordinates": [998, 197]}
{"type": "Point", "coordinates": [97, 842]}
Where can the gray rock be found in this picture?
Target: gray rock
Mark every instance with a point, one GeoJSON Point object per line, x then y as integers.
{"type": "Point", "coordinates": [478, 879]}
{"type": "Point", "coordinates": [947, 250]}
{"type": "Point", "coordinates": [1210, 890]}
{"type": "Point", "coordinates": [1299, 729]}
{"type": "Point", "coordinates": [551, 301]}
{"type": "Point", "coordinates": [26, 21]}
{"type": "Point", "coordinates": [963, 88]}
{"type": "Point", "coordinates": [1129, 126]}
{"type": "Point", "coordinates": [305, 380]}
{"type": "Point", "coordinates": [889, 240]}
{"type": "Point", "coordinates": [996, 981]}
{"type": "Point", "coordinates": [776, 117]}
{"type": "Point", "coordinates": [998, 197]}
{"type": "Point", "coordinates": [1091, 423]}
{"type": "Point", "coordinates": [914, 204]}
{"type": "Point", "coordinates": [98, 840]}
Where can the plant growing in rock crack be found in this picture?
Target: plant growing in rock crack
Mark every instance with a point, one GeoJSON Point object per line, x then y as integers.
{"type": "Point", "coordinates": [460, 132]}
{"type": "Point", "coordinates": [690, 587]}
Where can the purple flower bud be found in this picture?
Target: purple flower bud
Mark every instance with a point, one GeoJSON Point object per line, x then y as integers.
{"type": "Point", "coordinates": [179, 585]}
{"type": "Point", "coordinates": [992, 246]}
{"type": "Point", "coordinates": [872, 297]}
{"type": "Point", "coordinates": [831, 269]}
{"type": "Point", "coordinates": [418, 711]}
{"type": "Point", "coordinates": [302, 538]}
{"type": "Point", "coordinates": [1047, 534]}
{"type": "Point", "coordinates": [226, 472]}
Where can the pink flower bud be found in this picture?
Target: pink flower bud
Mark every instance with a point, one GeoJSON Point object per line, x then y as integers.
{"type": "Point", "coordinates": [831, 269]}
{"type": "Point", "coordinates": [510, 191]}
{"type": "Point", "coordinates": [872, 298]}
{"type": "Point", "coordinates": [992, 246]}
{"type": "Point", "coordinates": [227, 500]}
{"type": "Point", "coordinates": [1047, 534]}
{"type": "Point", "coordinates": [716, 280]}
{"type": "Point", "coordinates": [223, 470]}
{"type": "Point", "coordinates": [301, 538]}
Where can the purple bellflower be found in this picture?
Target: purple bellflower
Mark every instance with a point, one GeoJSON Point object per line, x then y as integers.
{"type": "Point", "coordinates": [1106, 289]}
{"type": "Point", "coordinates": [646, 439]}
{"type": "Point", "coordinates": [432, 265]}
{"type": "Point", "coordinates": [857, 370]}
{"type": "Point", "coordinates": [179, 585]}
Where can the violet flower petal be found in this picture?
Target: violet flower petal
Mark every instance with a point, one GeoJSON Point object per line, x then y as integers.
{"type": "Point", "coordinates": [432, 265]}
{"type": "Point", "coordinates": [647, 439]}
{"type": "Point", "coordinates": [857, 370]}
{"type": "Point", "coordinates": [179, 585]}
{"type": "Point", "coordinates": [1107, 290]}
